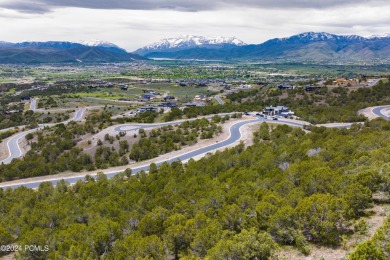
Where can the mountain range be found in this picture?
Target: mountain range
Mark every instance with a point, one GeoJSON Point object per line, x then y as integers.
{"type": "Point", "coordinates": [309, 46]}
{"type": "Point", "coordinates": [63, 52]}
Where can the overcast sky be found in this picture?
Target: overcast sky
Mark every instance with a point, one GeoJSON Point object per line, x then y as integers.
{"type": "Point", "coordinates": [132, 24]}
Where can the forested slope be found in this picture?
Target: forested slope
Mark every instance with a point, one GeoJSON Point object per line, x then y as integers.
{"type": "Point", "coordinates": [289, 188]}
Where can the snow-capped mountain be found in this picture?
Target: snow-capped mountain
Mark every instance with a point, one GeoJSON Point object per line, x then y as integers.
{"type": "Point", "coordinates": [319, 36]}
{"type": "Point", "coordinates": [98, 43]}
{"type": "Point", "coordinates": [103, 44]}
{"type": "Point", "coordinates": [308, 46]}
{"type": "Point", "coordinates": [386, 35]}
{"type": "Point", "coordinates": [190, 41]}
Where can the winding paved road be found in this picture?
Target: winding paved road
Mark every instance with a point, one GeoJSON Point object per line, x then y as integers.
{"type": "Point", "coordinates": [377, 111]}
{"type": "Point", "coordinates": [13, 143]}
{"type": "Point", "coordinates": [235, 135]}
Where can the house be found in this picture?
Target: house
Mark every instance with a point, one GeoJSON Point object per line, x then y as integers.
{"type": "Point", "coordinates": [171, 104]}
{"type": "Point", "coordinates": [245, 86]}
{"type": "Point", "coordinates": [278, 110]}
{"type": "Point", "coordinates": [342, 82]}
{"type": "Point", "coordinates": [311, 88]}
{"type": "Point", "coordinates": [195, 104]}
{"type": "Point", "coordinates": [285, 86]}
{"type": "Point", "coordinates": [168, 104]}
{"type": "Point", "coordinates": [8, 112]}
{"type": "Point", "coordinates": [146, 108]}
{"type": "Point", "coordinates": [169, 98]}
{"type": "Point", "coordinates": [226, 86]}
{"type": "Point", "coordinates": [148, 97]}
{"type": "Point", "coordinates": [200, 98]}
{"type": "Point", "coordinates": [25, 99]}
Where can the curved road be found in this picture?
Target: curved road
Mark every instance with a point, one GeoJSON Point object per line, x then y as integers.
{"type": "Point", "coordinates": [377, 111]}
{"type": "Point", "coordinates": [234, 136]}
{"type": "Point", "coordinates": [13, 143]}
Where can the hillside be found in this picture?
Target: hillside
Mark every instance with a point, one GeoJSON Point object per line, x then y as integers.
{"type": "Point", "coordinates": [236, 203]}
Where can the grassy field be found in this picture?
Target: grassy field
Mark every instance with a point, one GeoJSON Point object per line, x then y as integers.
{"type": "Point", "coordinates": [7, 80]}
{"type": "Point", "coordinates": [11, 91]}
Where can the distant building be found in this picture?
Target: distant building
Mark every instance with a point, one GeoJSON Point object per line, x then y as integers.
{"type": "Point", "coordinates": [146, 108]}
{"type": "Point", "coordinates": [7, 112]}
{"type": "Point", "coordinates": [285, 86]}
{"type": "Point", "coordinates": [278, 110]}
{"type": "Point", "coordinates": [245, 86]}
{"type": "Point", "coordinates": [226, 87]}
{"type": "Point", "coordinates": [169, 98]}
{"type": "Point", "coordinates": [25, 99]}
{"type": "Point", "coordinates": [195, 104]}
{"type": "Point", "coordinates": [168, 104]}
{"type": "Point", "coordinates": [342, 82]}
{"type": "Point", "coordinates": [148, 97]}
{"type": "Point", "coordinates": [311, 88]}
{"type": "Point", "coordinates": [200, 98]}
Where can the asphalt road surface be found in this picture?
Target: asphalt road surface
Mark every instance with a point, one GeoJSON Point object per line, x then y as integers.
{"type": "Point", "coordinates": [33, 104]}
{"type": "Point", "coordinates": [377, 111]}
{"type": "Point", "coordinates": [220, 101]}
{"type": "Point", "coordinates": [234, 136]}
{"type": "Point", "coordinates": [13, 143]}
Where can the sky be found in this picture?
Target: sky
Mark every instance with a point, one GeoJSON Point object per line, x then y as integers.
{"type": "Point", "coordinates": [132, 24]}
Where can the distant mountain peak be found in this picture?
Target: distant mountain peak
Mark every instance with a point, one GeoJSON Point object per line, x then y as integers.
{"type": "Point", "coordinates": [386, 35]}
{"type": "Point", "coordinates": [98, 43]}
{"type": "Point", "coordinates": [319, 36]}
{"type": "Point", "coordinates": [189, 41]}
